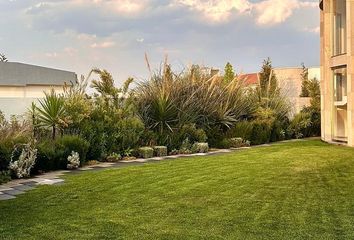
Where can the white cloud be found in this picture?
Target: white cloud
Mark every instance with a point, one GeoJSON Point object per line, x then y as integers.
{"type": "Point", "coordinates": [86, 37]}
{"type": "Point", "coordinates": [125, 7]}
{"type": "Point", "coordinates": [129, 6]}
{"type": "Point", "coordinates": [216, 10]}
{"type": "Point", "coordinates": [271, 12]}
{"type": "Point", "coordinates": [51, 54]}
{"type": "Point", "coordinates": [266, 12]}
{"type": "Point", "coordinates": [312, 30]}
{"type": "Point", "coordinates": [106, 44]}
{"type": "Point", "coordinates": [70, 51]}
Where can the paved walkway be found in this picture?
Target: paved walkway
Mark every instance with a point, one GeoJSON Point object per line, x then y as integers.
{"type": "Point", "coordinates": [16, 187]}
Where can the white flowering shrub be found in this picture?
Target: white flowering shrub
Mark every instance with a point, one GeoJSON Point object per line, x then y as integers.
{"type": "Point", "coordinates": [25, 162]}
{"type": "Point", "coordinates": [73, 160]}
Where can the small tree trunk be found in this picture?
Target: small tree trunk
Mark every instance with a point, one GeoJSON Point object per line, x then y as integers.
{"type": "Point", "coordinates": [53, 132]}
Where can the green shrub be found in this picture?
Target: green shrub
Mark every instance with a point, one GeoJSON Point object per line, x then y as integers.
{"type": "Point", "coordinates": [278, 132]}
{"type": "Point", "coordinates": [93, 132]}
{"type": "Point", "coordinates": [238, 142]}
{"type": "Point", "coordinates": [160, 151]}
{"type": "Point", "coordinates": [5, 176]}
{"type": "Point", "coordinates": [234, 143]}
{"type": "Point", "coordinates": [215, 137]}
{"type": "Point", "coordinates": [148, 138]}
{"type": "Point", "coordinates": [74, 143]}
{"type": "Point", "coordinates": [300, 126]}
{"type": "Point", "coordinates": [174, 152]}
{"type": "Point", "coordinates": [225, 143]}
{"type": "Point", "coordinates": [52, 154]}
{"type": "Point", "coordinates": [261, 133]}
{"type": "Point", "coordinates": [6, 147]}
{"type": "Point", "coordinates": [242, 129]}
{"type": "Point", "coordinates": [125, 134]}
{"type": "Point", "coordinates": [185, 147]}
{"type": "Point", "coordinates": [146, 152]}
{"type": "Point", "coordinates": [200, 147]}
{"type": "Point", "coordinates": [189, 131]}
{"type": "Point", "coordinates": [114, 157]}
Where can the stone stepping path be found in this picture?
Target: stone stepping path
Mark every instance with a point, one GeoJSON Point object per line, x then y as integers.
{"type": "Point", "coordinates": [16, 187]}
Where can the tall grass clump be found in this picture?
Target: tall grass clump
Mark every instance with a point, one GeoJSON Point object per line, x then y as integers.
{"type": "Point", "coordinates": [170, 100]}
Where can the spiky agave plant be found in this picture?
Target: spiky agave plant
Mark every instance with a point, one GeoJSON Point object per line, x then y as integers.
{"type": "Point", "coordinates": [51, 112]}
{"type": "Point", "coordinates": [156, 105]}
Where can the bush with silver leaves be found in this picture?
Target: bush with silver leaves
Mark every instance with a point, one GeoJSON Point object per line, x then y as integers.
{"type": "Point", "coordinates": [25, 162]}
{"type": "Point", "coordinates": [73, 160]}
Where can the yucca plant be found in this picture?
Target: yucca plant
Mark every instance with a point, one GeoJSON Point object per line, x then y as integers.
{"type": "Point", "coordinates": [51, 112]}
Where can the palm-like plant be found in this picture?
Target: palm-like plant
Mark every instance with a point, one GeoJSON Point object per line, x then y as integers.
{"type": "Point", "coordinates": [51, 112]}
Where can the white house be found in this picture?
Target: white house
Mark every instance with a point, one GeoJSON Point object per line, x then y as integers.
{"type": "Point", "coordinates": [21, 84]}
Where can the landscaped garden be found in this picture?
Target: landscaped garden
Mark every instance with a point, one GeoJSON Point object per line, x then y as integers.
{"type": "Point", "coordinates": [296, 190]}
{"type": "Point", "coordinates": [168, 113]}
{"type": "Point", "coordinates": [292, 190]}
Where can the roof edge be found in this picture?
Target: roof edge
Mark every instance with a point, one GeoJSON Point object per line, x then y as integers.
{"type": "Point", "coordinates": [32, 65]}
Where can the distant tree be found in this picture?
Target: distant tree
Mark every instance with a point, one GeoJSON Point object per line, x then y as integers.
{"type": "Point", "coordinates": [314, 110]}
{"type": "Point", "coordinates": [305, 81]}
{"type": "Point", "coordinates": [229, 73]}
{"type": "Point", "coordinates": [267, 79]}
{"type": "Point", "coordinates": [3, 58]}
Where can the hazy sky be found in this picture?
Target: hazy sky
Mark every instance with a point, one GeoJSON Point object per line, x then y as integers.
{"type": "Point", "coordinates": [77, 35]}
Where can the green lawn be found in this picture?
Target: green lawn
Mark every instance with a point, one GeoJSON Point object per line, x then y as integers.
{"type": "Point", "coordinates": [295, 190]}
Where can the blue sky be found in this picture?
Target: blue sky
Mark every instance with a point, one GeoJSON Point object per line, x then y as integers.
{"type": "Point", "coordinates": [77, 35]}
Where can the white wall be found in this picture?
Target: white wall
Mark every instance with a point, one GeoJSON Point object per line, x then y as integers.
{"type": "Point", "coordinates": [17, 100]}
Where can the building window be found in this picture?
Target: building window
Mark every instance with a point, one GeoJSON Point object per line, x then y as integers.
{"type": "Point", "coordinates": [339, 27]}
{"type": "Point", "coordinates": [340, 85]}
{"type": "Point", "coordinates": [340, 117]}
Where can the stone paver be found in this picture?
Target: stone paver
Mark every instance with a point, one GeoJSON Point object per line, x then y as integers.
{"type": "Point", "coordinates": [6, 197]}
{"type": "Point", "coordinates": [23, 187]}
{"type": "Point", "coordinates": [30, 183]}
{"type": "Point", "coordinates": [50, 181]}
{"type": "Point", "coordinates": [13, 192]}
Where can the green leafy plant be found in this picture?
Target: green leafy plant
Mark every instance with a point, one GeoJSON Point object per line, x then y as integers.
{"type": "Point", "coordinates": [114, 157]}
{"type": "Point", "coordinates": [5, 176]}
{"type": "Point", "coordinates": [185, 147]}
{"type": "Point", "coordinates": [51, 112]}
{"type": "Point", "coordinates": [52, 154]}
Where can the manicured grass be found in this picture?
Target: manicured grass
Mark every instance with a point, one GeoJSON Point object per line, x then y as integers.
{"type": "Point", "coordinates": [295, 190]}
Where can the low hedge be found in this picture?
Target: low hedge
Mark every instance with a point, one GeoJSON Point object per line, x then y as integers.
{"type": "Point", "coordinates": [52, 155]}
{"type": "Point", "coordinates": [160, 151]}
{"type": "Point", "coordinates": [146, 152]}
{"type": "Point", "coordinates": [200, 147]}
